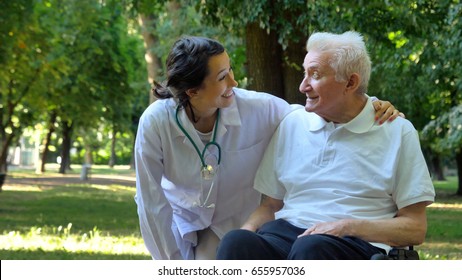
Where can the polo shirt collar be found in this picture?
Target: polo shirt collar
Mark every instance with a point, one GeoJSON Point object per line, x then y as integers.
{"type": "Point", "coordinates": [364, 121]}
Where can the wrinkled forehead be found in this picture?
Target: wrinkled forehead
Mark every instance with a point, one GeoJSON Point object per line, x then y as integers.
{"type": "Point", "coordinates": [316, 59]}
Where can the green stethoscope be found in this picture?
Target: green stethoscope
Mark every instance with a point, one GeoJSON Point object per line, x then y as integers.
{"type": "Point", "coordinates": [207, 171]}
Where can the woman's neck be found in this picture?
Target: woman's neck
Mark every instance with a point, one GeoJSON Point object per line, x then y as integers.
{"type": "Point", "coordinates": [203, 121]}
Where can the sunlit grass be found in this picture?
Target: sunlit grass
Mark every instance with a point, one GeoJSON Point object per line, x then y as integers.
{"type": "Point", "coordinates": [62, 239]}
{"type": "Point", "coordinates": [444, 233]}
{"type": "Point", "coordinates": [441, 251]}
{"type": "Point", "coordinates": [75, 221]}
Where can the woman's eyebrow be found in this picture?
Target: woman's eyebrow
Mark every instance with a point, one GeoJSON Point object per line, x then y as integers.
{"type": "Point", "coordinates": [221, 71]}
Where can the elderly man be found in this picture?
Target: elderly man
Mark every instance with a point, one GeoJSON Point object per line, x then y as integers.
{"type": "Point", "coordinates": [335, 184]}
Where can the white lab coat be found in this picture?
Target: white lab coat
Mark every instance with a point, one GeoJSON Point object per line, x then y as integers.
{"type": "Point", "coordinates": [168, 171]}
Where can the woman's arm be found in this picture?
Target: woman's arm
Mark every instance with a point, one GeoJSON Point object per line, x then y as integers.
{"type": "Point", "coordinates": [154, 211]}
{"type": "Point", "coordinates": [264, 213]}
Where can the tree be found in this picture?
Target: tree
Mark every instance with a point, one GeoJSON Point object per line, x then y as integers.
{"type": "Point", "coordinates": [445, 135]}
{"type": "Point", "coordinates": [21, 66]}
{"type": "Point", "coordinates": [274, 45]}
{"type": "Point", "coordinates": [95, 86]}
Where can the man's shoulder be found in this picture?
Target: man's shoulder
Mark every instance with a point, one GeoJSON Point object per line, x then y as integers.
{"type": "Point", "coordinates": [402, 124]}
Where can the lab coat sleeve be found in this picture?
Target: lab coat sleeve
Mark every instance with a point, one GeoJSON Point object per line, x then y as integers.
{"type": "Point", "coordinates": [267, 177]}
{"type": "Point", "coordinates": [154, 211]}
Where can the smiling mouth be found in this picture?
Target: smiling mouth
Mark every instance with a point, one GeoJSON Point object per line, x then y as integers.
{"type": "Point", "coordinates": [229, 94]}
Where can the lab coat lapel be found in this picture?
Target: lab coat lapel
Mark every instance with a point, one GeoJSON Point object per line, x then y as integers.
{"type": "Point", "coordinates": [228, 116]}
{"type": "Point", "coordinates": [188, 126]}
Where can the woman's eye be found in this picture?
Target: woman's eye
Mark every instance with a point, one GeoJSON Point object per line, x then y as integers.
{"type": "Point", "coordinates": [224, 76]}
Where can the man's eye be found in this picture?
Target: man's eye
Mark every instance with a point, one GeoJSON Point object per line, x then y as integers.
{"type": "Point", "coordinates": [315, 75]}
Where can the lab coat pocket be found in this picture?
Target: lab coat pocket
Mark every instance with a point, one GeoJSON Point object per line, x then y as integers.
{"type": "Point", "coordinates": [238, 173]}
{"type": "Point", "coordinates": [242, 164]}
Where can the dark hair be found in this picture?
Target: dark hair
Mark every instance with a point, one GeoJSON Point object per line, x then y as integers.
{"type": "Point", "coordinates": [187, 67]}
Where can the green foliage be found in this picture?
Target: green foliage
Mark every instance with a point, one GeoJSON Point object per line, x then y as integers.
{"type": "Point", "coordinates": [22, 64]}
{"type": "Point", "coordinates": [285, 17]}
{"type": "Point", "coordinates": [445, 132]}
{"type": "Point", "coordinates": [79, 59]}
{"type": "Point", "coordinates": [14, 16]}
{"type": "Point", "coordinates": [100, 147]}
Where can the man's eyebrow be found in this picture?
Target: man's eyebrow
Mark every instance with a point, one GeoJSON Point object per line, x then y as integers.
{"type": "Point", "coordinates": [311, 67]}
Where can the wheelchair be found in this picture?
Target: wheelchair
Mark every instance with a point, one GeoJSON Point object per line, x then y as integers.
{"type": "Point", "coordinates": [398, 254]}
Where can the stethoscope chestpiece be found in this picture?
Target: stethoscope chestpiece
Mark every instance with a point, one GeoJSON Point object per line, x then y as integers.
{"type": "Point", "coordinates": [207, 172]}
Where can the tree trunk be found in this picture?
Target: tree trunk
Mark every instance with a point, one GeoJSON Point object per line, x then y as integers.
{"type": "Point", "coordinates": [264, 62]}
{"type": "Point", "coordinates": [66, 147]}
{"type": "Point", "coordinates": [147, 23]}
{"type": "Point", "coordinates": [6, 142]}
{"type": "Point", "coordinates": [459, 172]}
{"type": "Point", "coordinates": [88, 157]}
{"type": "Point", "coordinates": [51, 129]}
{"type": "Point", "coordinates": [132, 160]}
{"type": "Point", "coordinates": [438, 172]}
{"type": "Point", "coordinates": [293, 72]}
{"type": "Point", "coordinates": [112, 158]}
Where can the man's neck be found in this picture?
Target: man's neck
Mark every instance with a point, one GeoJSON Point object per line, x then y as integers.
{"type": "Point", "coordinates": [348, 110]}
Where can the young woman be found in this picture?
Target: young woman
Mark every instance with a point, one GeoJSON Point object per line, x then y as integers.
{"type": "Point", "coordinates": [198, 148]}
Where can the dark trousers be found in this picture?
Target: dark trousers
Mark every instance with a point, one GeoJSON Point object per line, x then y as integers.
{"type": "Point", "coordinates": [277, 240]}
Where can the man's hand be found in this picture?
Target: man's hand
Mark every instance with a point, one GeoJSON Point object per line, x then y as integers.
{"type": "Point", "coordinates": [337, 228]}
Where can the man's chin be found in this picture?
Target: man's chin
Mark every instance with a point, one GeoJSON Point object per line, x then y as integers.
{"type": "Point", "coordinates": [309, 108]}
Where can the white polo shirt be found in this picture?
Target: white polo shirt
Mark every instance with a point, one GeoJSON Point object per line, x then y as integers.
{"type": "Point", "coordinates": [326, 172]}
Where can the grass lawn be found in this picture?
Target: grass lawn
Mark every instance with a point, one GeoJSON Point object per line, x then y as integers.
{"type": "Point", "coordinates": [74, 221]}
{"type": "Point", "coordinates": [444, 234]}
{"type": "Point", "coordinates": [90, 221]}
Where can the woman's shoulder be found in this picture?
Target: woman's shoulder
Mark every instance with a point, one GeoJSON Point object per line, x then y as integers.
{"type": "Point", "coordinates": [159, 110]}
{"type": "Point", "coordinates": [255, 95]}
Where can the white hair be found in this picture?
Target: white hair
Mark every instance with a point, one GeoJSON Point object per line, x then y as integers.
{"type": "Point", "coordinates": [348, 55]}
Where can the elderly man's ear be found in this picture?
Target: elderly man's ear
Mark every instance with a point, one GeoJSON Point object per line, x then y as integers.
{"type": "Point", "coordinates": [353, 83]}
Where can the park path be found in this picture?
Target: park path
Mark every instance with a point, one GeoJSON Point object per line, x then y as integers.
{"type": "Point", "coordinates": [64, 179]}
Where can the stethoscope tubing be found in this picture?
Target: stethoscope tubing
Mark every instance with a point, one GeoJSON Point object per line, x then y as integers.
{"type": "Point", "coordinates": [211, 143]}
{"type": "Point", "coordinates": [201, 155]}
